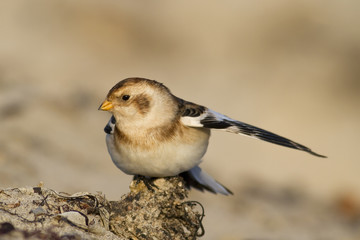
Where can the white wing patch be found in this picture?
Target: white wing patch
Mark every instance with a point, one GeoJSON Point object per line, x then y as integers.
{"type": "Point", "coordinates": [196, 121]}
{"type": "Point", "coordinates": [192, 121]}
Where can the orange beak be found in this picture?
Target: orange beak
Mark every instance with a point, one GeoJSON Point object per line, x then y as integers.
{"type": "Point", "coordinates": [106, 106]}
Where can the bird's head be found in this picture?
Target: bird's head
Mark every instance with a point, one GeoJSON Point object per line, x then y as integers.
{"type": "Point", "coordinates": [138, 100]}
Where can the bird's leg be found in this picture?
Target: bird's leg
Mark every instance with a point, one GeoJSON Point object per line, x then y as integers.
{"type": "Point", "coordinates": [149, 182]}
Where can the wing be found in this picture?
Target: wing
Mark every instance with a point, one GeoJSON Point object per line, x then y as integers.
{"type": "Point", "coordinates": [110, 126]}
{"type": "Point", "coordinates": [194, 115]}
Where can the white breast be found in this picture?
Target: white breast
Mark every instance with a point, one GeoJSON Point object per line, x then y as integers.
{"type": "Point", "coordinates": [167, 158]}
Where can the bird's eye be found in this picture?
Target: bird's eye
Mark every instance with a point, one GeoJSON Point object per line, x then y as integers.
{"type": "Point", "coordinates": [125, 97]}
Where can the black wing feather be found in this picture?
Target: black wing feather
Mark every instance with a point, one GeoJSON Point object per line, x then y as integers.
{"type": "Point", "coordinates": [189, 109]}
{"type": "Point", "coordinates": [211, 121]}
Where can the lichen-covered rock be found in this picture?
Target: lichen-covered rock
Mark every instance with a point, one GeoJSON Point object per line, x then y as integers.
{"type": "Point", "coordinates": [160, 212]}
{"type": "Point", "coordinates": [42, 213]}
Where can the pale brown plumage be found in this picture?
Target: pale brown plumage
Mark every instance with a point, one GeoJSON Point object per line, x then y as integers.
{"type": "Point", "coordinates": [156, 134]}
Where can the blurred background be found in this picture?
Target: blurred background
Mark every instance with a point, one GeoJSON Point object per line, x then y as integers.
{"type": "Point", "coordinates": [291, 67]}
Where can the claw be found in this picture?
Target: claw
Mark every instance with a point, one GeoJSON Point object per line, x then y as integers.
{"type": "Point", "coordinates": [148, 182]}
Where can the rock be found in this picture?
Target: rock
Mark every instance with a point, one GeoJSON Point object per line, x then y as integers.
{"type": "Point", "coordinates": [158, 212]}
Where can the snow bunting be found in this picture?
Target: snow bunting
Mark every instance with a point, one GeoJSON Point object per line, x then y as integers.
{"type": "Point", "coordinates": [153, 133]}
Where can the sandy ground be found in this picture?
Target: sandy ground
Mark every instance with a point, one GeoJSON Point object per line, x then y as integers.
{"type": "Point", "coordinates": [288, 67]}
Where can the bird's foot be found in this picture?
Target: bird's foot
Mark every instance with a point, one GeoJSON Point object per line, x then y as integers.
{"type": "Point", "coordinates": [148, 182]}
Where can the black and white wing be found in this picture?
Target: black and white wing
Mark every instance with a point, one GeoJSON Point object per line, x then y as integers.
{"type": "Point", "coordinates": [194, 115]}
{"type": "Point", "coordinates": [110, 126]}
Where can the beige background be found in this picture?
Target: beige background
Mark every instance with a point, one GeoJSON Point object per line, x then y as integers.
{"type": "Point", "coordinates": [291, 67]}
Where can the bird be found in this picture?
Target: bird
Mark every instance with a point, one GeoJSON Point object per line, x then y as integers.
{"type": "Point", "coordinates": [152, 133]}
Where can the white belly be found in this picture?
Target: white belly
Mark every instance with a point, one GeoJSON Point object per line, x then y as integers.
{"type": "Point", "coordinates": [164, 159]}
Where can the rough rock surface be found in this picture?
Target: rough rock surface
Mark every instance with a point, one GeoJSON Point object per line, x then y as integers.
{"type": "Point", "coordinates": [161, 212]}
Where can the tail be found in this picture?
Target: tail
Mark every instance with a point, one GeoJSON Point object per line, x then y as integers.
{"type": "Point", "coordinates": [200, 180]}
